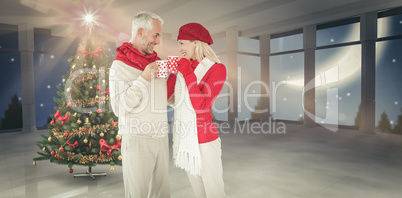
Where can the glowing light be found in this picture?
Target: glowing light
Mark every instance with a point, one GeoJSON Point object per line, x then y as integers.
{"type": "Point", "coordinates": [340, 98]}
{"type": "Point", "coordinates": [391, 122]}
{"type": "Point", "coordinates": [284, 99]}
{"type": "Point", "coordinates": [89, 20]}
{"type": "Point", "coordinates": [19, 98]}
{"type": "Point", "coordinates": [48, 86]}
{"type": "Point", "coordinates": [41, 105]}
{"type": "Point", "coordinates": [393, 60]}
{"type": "Point", "coordinates": [291, 56]}
{"type": "Point", "coordinates": [12, 59]}
{"type": "Point", "coordinates": [52, 56]}
{"type": "Point", "coordinates": [348, 94]}
{"type": "Point", "coordinates": [332, 40]}
{"type": "Point", "coordinates": [396, 102]}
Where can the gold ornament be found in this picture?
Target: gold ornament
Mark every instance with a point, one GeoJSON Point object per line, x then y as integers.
{"type": "Point", "coordinates": [94, 67]}
{"type": "Point", "coordinates": [85, 64]}
{"type": "Point", "coordinates": [90, 112]}
{"type": "Point", "coordinates": [68, 90]}
{"type": "Point", "coordinates": [86, 120]}
{"type": "Point", "coordinates": [81, 71]}
{"type": "Point", "coordinates": [44, 149]}
{"type": "Point", "coordinates": [78, 57]}
{"type": "Point", "coordinates": [79, 121]}
{"type": "Point", "coordinates": [49, 139]}
{"type": "Point", "coordinates": [64, 80]}
{"type": "Point", "coordinates": [85, 141]}
{"type": "Point", "coordinates": [96, 96]}
{"type": "Point", "coordinates": [102, 134]}
{"type": "Point", "coordinates": [111, 167]}
{"type": "Point", "coordinates": [34, 163]}
{"type": "Point", "coordinates": [103, 81]}
{"type": "Point", "coordinates": [75, 114]}
{"type": "Point", "coordinates": [90, 87]}
{"type": "Point", "coordinates": [120, 157]}
{"type": "Point", "coordinates": [118, 137]}
{"type": "Point", "coordinates": [73, 66]}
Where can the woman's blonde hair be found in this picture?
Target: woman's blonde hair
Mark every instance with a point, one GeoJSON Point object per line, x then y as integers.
{"type": "Point", "coordinates": [203, 50]}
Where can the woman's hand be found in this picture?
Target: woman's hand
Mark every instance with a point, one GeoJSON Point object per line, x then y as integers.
{"type": "Point", "coordinates": [185, 67]}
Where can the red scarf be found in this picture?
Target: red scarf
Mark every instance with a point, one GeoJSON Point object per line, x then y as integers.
{"type": "Point", "coordinates": [133, 57]}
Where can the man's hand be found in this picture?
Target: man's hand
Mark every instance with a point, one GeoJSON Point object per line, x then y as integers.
{"type": "Point", "coordinates": [150, 71]}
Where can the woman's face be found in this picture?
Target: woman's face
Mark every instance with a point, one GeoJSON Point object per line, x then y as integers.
{"type": "Point", "coordinates": [187, 49]}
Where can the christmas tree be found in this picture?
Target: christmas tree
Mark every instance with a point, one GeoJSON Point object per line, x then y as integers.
{"type": "Point", "coordinates": [83, 129]}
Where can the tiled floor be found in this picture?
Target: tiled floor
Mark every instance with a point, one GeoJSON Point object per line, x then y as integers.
{"type": "Point", "coordinates": [304, 162]}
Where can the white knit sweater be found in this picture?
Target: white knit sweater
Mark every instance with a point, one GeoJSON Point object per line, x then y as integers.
{"type": "Point", "coordinates": [140, 105]}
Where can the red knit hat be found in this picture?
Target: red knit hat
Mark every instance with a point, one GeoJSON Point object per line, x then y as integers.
{"type": "Point", "coordinates": [194, 31]}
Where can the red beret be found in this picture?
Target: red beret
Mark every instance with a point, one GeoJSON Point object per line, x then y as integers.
{"type": "Point", "coordinates": [194, 31]}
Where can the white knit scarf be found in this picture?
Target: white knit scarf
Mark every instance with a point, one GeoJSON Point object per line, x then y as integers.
{"type": "Point", "coordinates": [186, 152]}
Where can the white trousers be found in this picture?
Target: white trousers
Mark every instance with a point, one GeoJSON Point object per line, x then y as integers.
{"type": "Point", "coordinates": [210, 183]}
{"type": "Point", "coordinates": [145, 167]}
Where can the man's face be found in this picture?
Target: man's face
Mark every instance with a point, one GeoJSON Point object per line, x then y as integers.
{"type": "Point", "coordinates": [151, 38]}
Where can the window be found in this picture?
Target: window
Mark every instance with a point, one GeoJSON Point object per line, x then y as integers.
{"type": "Point", "coordinates": [10, 79]}
{"type": "Point", "coordinates": [338, 85]}
{"type": "Point", "coordinates": [286, 85]}
{"type": "Point", "coordinates": [50, 64]}
{"type": "Point", "coordinates": [287, 42]}
{"type": "Point", "coordinates": [388, 106]}
{"type": "Point", "coordinates": [286, 76]}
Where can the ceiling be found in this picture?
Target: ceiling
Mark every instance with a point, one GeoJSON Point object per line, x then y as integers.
{"type": "Point", "coordinates": [252, 17]}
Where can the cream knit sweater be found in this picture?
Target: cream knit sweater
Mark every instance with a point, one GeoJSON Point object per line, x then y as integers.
{"type": "Point", "coordinates": [140, 105]}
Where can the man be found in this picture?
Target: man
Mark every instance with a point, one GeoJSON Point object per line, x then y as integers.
{"type": "Point", "coordinates": [139, 100]}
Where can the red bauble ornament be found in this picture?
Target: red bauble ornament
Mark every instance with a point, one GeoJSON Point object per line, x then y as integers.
{"type": "Point", "coordinates": [99, 110]}
{"type": "Point", "coordinates": [61, 149]}
{"type": "Point", "coordinates": [71, 170]}
{"type": "Point", "coordinates": [112, 123]}
{"type": "Point", "coordinates": [68, 104]}
{"type": "Point", "coordinates": [58, 156]}
{"type": "Point", "coordinates": [100, 153]}
{"type": "Point", "coordinates": [65, 134]}
{"type": "Point", "coordinates": [83, 80]}
{"type": "Point", "coordinates": [52, 153]}
{"type": "Point", "coordinates": [90, 145]}
{"type": "Point", "coordinates": [51, 122]}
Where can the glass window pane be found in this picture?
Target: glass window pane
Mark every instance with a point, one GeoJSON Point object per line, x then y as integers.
{"type": "Point", "coordinates": [9, 39]}
{"type": "Point", "coordinates": [48, 71]}
{"type": "Point", "coordinates": [55, 44]}
{"type": "Point", "coordinates": [339, 34]}
{"type": "Point", "coordinates": [249, 45]}
{"type": "Point", "coordinates": [389, 26]}
{"type": "Point", "coordinates": [388, 94]}
{"type": "Point", "coordinates": [250, 80]}
{"type": "Point", "coordinates": [10, 85]}
{"type": "Point", "coordinates": [287, 43]}
{"type": "Point", "coordinates": [221, 105]}
{"type": "Point", "coordinates": [338, 85]}
{"type": "Point", "coordinates": [286, 84]}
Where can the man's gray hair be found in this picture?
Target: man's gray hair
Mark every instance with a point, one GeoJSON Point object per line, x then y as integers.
{"type": "Point", "coordinates": [143, 20]}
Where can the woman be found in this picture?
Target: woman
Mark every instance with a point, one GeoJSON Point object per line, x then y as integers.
{"type": "Point", "coordinates": [196, 142]}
